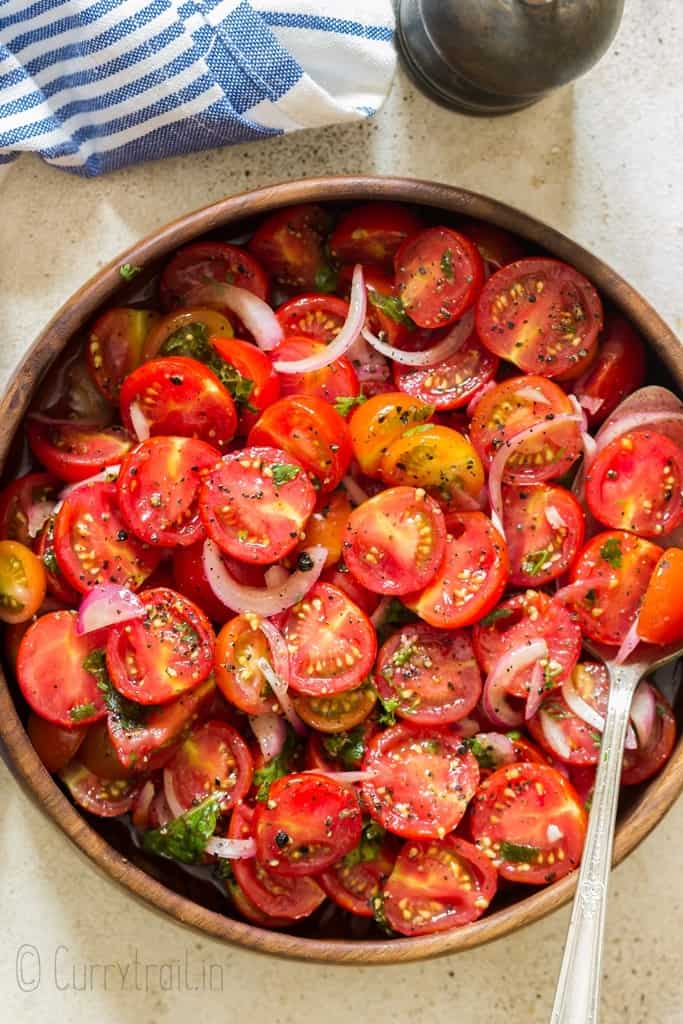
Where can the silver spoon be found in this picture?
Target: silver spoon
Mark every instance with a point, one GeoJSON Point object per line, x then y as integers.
{"type": "Point", "coordinates": [577, 997]}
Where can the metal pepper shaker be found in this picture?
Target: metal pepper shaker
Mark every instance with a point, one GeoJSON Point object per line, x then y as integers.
{"type": "Point", "coordinates": [494, 56]}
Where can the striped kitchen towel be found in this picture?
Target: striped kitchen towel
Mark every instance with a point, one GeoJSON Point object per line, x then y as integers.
{"type": "Point", "coordinates": [95, 85]}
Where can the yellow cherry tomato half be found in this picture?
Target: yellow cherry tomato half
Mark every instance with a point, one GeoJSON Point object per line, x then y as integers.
{"type": "Point", "coordinates": [380, 421]}
{"type": "Point", "coordinates": [437, 458]}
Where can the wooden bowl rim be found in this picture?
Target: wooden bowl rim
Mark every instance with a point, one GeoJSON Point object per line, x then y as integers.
{"type": "Point", "coordinates": [23, 760]}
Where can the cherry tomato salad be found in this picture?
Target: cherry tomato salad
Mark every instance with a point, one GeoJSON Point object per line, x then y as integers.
{"type": "Point", "coordinates": [300, 573]}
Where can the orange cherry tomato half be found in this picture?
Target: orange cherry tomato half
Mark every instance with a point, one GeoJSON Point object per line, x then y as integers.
{"type": "Point", "coordinates": [439, 459]}
{"type": "Point", "coordinates": [22, 582]}
{"type": "Point", "coordinates": [327, 525]}
{"type": "Point", "coordinates": [660, 620]}
{"type": "Point", "coordinates": [239, 647]}
{"type": "Point", "coordinates": [380, 421]}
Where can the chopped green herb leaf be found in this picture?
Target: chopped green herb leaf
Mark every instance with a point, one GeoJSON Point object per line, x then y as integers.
{"type": "Point", "coordinates": [495, 616]}
{"type": "Point", "coordinates": [185, 838]}
{"type": "Point", "coordinates": [447, 265]}
{"type": "Point", "coordinates": [326, 278]}
{"type": "Point", "coordinates": [611, 552]}
{"type": "Point", "coordinates": [518, 854]}
{"type": "Point", "coordinates": [369, 846]}
{"type": "Point", "coordinates": [128, 271]}
{"type": "Point", "coordinates": [346, 747]}
{"type": "Point", "coordinates": [126, 714]}
{"type": "Point", "coordinates": [345, 403]}
{"type": "Point", "coordinates": [283, 473]}
{"type": "Point", "coordinates": [193, 341]}
{"type": "Point", "coordinates": [387, 715]}
{"type": "Point", "coordinates": [50, 562]}
{"type": "Point", "coordinates": [81, 711]}
{"type": "Point", "coordinates": [483, 753]}
{"type": "Point", "coordinates": [391, 306]}
{"type": "Point", "coordinates": [536, 561]}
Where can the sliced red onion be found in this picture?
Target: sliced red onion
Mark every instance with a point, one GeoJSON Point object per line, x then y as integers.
{"type": "Point", "coordinates": [532, 394]}
{"type": "Point", "coordinates": [466, 503]}
{"type": "Point", "coordinates": [255, 314]}
{"type": "Point", "coordinates": [278, 649]}
{"type": "Point", "coordinates": [108, 605]}
{"type": "Point", "coordinates": [140, 423]}
{"type": "Point", "coordinates": [500, 746]}
{"type": "Point", "coordinates": [576, 591]}
{"type": "Point", "coordinates": [477, 396]}
{"type": "Point", "coordinates": [587, 713]}
{"type": "Point", "coordinates": [348, 333]}
{"type": "Point", "coordinates": [275, 576]}
{"type": "Point", "coordinates": [554, 735]}
{"type": "Point", "coordinates": [279, 687]}
{"type": "Point", "coordinates": [495, 699]}
{"type": "Point", "coordinates": [377, 617]}
{"type": "Point", "coordinates": [590, 404]}
{"type": "Point", "coordinates": [466, 727]}
{"type": "Point", "coordinates": [628, 644]}
{"type": "Point", "coordinates": [644, 713]}
{"type": "Point", "coordinates": [505, 451]}
{"type": "Point", "coordinates": [105, 476]}
{"type": "Point", "coordinates": [38, 514]}
{"type": "Point", "coordinates": [535, 695]}
{"type": "Point", "coordinates": [231, 849]}
{"type": "Point", "coordinates": [265, 601]}
{"type": "Point", "coordinates": [174, 804]}
{"type": "Point", "coordinates": [270, 732]}
{"type": "Point", "coordinates": [555, 519]}
{"type": "Point", "coordinates": [438, 353]}
{"type": "Point", "coordinates": [354, 490]}
{"type": "Point", "coordinates": [346, 778]}
{"type": "Point", "coordinates": [370, 366]}
{"type": "Point", "coordinates": [143, 802]}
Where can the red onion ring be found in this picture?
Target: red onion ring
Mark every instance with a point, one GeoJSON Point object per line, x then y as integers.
{"type": "Point", "coordinates": [628, 644]}
{"type": "Point", "coordinates": [495, 697]}
{"type": "Point", "coordinates": [587, 713]}
{"type": "Point", "coordinates": [265, 601]}
{"type": "Point", "coordinates": [108, 605]}
{"type": "Point", "coordinates": [231, 849]}
{"type": "Point", "coordinates": [479, 394]}
{"type": "Point", "coordinates": [270, 732]}
{"type": "Point", "coordinates": [140, 423]}
{"type": "Point", "coordinates": [37, 515]}
{"type": "Point", "coordinates": [174, 804]}
{"type": "Point", "coordinates": [590, 404]}
{"type": "Point", "coordinates": [354, 490]}
{"type": "Point", "coordinates": [575, 591]}
{"type": "Point", "coordinates": [644, 713]}
{"type": "Point", "coordinates": [554, 735]}
{"type": "Point", "coordinates": [143, 802]}
{"type": "Point", "coordinates": [279, 687]}
{"type": "Point", "coordinates": [346, 778]}
{"type": "Point", "coordinates": [275, 576]}
{"type": "Point", "coordinates": [348, 333]}
{"type": "Point", "coordinates": [256, 315]}
{"type": "Point", "coordinates": [536, 688]}
{"type": "Point", "coordinates": [439, 353]}
{"type": "Point", "coordinates": [106, 476]}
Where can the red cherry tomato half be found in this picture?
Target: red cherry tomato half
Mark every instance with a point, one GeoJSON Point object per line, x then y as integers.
{"type": "Point", "coordinates": [308, 823]}
{"type": "Point", "coordinates": [108, 798]}
{"type": "Point", "coordinates": [544, 527]}
{"type": "Point", "coordinates": [179, 396]}
{"type": "Point", "coordinates": [496, 246]}
{"type": "Point", "coordinates": [660, 620]}
{"type": "Point", "coordinates": [518, 621]}
{"type": "Point", "coordinates": [423, 781]}
{"type": "Point", "coordinates": [25, 505]}
{"type": "Point", "coordinates": [154, 659]}
{"type": "Point", "coordinates": [54, 744]}
{"type": "Point", "coordinates": [563, 734]}
{"type": "Point", "coordinates": [193, 266]}
{"type": "Point", "coordinates": [635, 483]}
{"type": "Point", "coordinates": [396, 541]}
{"type": "Point", "coordinates": [93, 544]}
{"type": "Point", "coordinates": [530, 822]}
{"type": "Point", "coordinates": [471, 577]}
{"type": "Point", "coordinates": [238, 649]}
{"type": "Point", "coordinates": [331, 642]}
{"type": "Point", "coordinates": [372, 233]}
{"type": "Point", "coordinates": [212, 759]}
{"type": "Point", "coordinates": [617, 371]}
{"type": "Point", "coordinates": [255, 503]}
{"type": "Point", "coordinates": [190, 579]}
{"type": "Point", "coordinates": [319, 317]}
{"type": "Point", "coordinates": [340, 577]}
{"type": "Point", "coordinates": [540, 314]}
{"type": "Point", "coordinates": [337, 380]}
{"type": "Point", "coordinates": [44, 548]}
{"type": "Point", "coordinates": [52, 672]}
{"type": "Point", "coordinates": [644, 762]}
{"type": "Point", "coordinates": [290, 245]}
{"type": "Point", "coordinates": [114, 347]}
{"type": "Point", "coordinates": [625, 563]}
{"type": "Point", "coordinates": [452, 383]}
{"type": "Point", "coordinates": [357, 880]}
{"type": "Point", "coordinates": [291, 897]}
{"type": "Point", "coordinates": [439, 273]}
{"type": "Point", "coordinates": [74, 453]}
{"type": "Point", "coordinates": [158, 487]}
{"type": "Point", "coordinates": [433, 674]}
{"type": "Point", "coordinates": [437, 885]}
{"type": "Point", "coordinates": [258, 385]}
{"type": "Point", "coordinates": [311, 432]}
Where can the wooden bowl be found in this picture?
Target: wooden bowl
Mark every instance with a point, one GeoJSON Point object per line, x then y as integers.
{"type": "Point", "coordinates": [644, 808]}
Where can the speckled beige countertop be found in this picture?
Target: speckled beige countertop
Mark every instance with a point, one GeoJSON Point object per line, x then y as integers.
{"type": "Point", "coordinates": [600, 161]}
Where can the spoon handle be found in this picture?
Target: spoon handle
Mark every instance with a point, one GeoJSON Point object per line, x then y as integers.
{"type": "Point", "coordinates": [578, 989]}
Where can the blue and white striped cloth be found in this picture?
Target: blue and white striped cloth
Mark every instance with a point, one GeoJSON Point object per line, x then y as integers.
{"type": "Point", "coordinates": [95, 85]}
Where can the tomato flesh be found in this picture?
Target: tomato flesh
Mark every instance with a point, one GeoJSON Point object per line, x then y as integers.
{"type": "Point", "coordinates": [23, 581]}
{"type": "Point", "coordinates": [617, 371]}
{"type": "Point", "coordinates": [74, 453]}
{"type": "Point", "coordinates": [290, 244]}
{"type": "Point", "coordinates": [212, 759]}
{"type": "Point", "coordinates": [25, 505]}
{"type": "Point", "coordinates": [239, 648]}
{"type": "Point", "coordinates": [107, 798]}
{"type": "Point", "coordinates": [54, 744]}
{"type": "Point", "coordinates": [114, 347]}
{"type": "Point", "coordinates": [356, 881]}
{"type": "Point", "coordinates": [644, 762]}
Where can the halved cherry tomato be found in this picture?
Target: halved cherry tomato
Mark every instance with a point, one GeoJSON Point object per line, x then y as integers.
{"type": "Point", "coordinates": [108, 798]}
{"type": "Point", "coordinates": [239, 646]}
{"type": "Point", "coordinates": [386, 316]}
{"type": "Point", "coordinates": [292, 897]}
{"type": "Point", "coordinates": [327, 525]}
{"type": "Point", "coordinates": [340, 577]}
{"type": "Point", "coordinates": [319, 317]}
{"type": "Point", "coordinates": [660, 620]}
{"type": "Point", "coordinates": [471, 578]}
{"type": "Point", "coordinates": [373, 232]}
{"type": "Point", "coordinates": [544, 528]}
{"type": "Point", "coordinates": [562, 733]}
{"type": "Point", "coordinates": [53, 672]}
{"type": "Point", "coordinates": [510, 408]}
{"type": "Point", "coordinates": [308, 823]}
{"type": "Point", "coordinates": [357, 880]}
{"type": "Point", "coordinates": [636, 483]}
{"type": "Point", "coordinates": [336, 380]}
{"type": "Point", "coordinates": [22, 582]}
{"type": "Point", "coordinates": [195, 265]}
{"type": "Point", "coordinates": [337, 712]}
{"type": "Point", "coordinates": [54, 744]}
{"type": "Point", "coordinates": [380, 421]}
{"type": "Point", "coordinates": [530, 822]}
{"type": "Point", "coordinates": [73, 452]}
{"type": "Point", "coordinates": [617, 371]}
{"type": "Point", "coordinates": [525, 750]}
{"type": "Point", "coordinates": [93, 544]}
{"type": "Point", "coordinates": [433, 675]}
{"type": "Point", "coordinates": [114, 347]}
{"type": "Point", "coordinates": [625, 563]}
{"type": "Point", "coordinates": [257, 385]}
{"type": "Point", "coordinates": [147, 739]}
{"type": "Point", "coordinates": [331, 642]}
{"type": "Point", "coordinates": [424, 781]}
{"type": "Point", "coordinates": [437, 885]}
{"type": "Point", "coordinates": [540, 314]}
{"type": "Point", "coordinates": [98, 754]}
{"type": "Point", "coordinates": [646, 761]}
{"type": "Point", "coordinates": [212, 759]}
{"type": "Point", "coordinates": [185, 333]}
{"type": "Point", "coordinates": [181, 397]}
{"type": "Point", "coordinates": [437, 458]}
{"type": "Point", "coordinates": [44, 548]}
{"type": "Point", "coordinates": [248, 909]}
{"type": "Point", "coordinates": [290, 244]}
{"type": "Point", "coordinates": [452, 383]}
{"type": "Point", "coordinates": [158, 486]}
{"type": "Point", "coordinates": [25, 505]}
{"type": "Point", "coordinates": [154, 659]}
{"type": "Point", "coordinates": [496, 246]}
{"type": "Point", "coordinates": [439, 273]}
{"type": "Point", "coordinates": [396, 541]}
{"type": "Point", "coordinates": [309, 430]}
{"type": "Point", "coordinates": [255, 503]}
{"type": "Point", "coordinates": [518, 621]}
